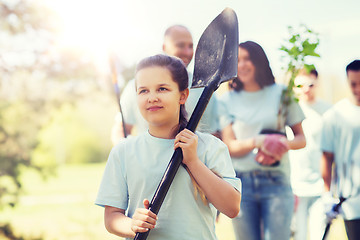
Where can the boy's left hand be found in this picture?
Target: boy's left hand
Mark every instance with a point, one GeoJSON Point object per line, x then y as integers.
{"type": "Point", "coordinates": [187, 141]}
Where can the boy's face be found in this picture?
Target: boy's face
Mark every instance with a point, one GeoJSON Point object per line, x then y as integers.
{"type": "Point", "coordinates": [305, 87]}
{"type": "Point", "coordinates": [354, 83]}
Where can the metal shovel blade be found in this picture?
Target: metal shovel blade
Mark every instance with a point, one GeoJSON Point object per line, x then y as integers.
{"type": "Point", "coordinates": [217, 51]}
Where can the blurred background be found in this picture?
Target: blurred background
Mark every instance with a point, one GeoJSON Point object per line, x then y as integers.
{"type": "Point", "coordinates": [57, 103]}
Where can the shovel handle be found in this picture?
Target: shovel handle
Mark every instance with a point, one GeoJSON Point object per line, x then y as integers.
{"type": "Point", "coordinates": [163, 187]}
{"type": "Point", "coordinates": [336, 209]}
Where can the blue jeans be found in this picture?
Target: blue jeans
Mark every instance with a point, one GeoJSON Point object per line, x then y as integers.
{"type": "Point", "coordinates": [266, 206]}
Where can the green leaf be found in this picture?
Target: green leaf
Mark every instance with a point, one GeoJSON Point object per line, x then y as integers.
{"type": "Point", "coordinates": [309, 67]}
{"type": "Point", "coordinates": [293, 39]}
{"type": "Point", "coordinates": [302, 43]}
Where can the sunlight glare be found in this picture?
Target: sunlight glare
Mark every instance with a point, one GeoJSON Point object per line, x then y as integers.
{"type": "Point", "coordinates": [93, 26]}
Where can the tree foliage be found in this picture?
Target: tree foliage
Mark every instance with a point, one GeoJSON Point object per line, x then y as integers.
{"type": "Point", "coordinates": [36, 78]}
{"type": "Point", "coordinates": [43, 119]}
{"type": "Point", "coordinates": [67, 139]}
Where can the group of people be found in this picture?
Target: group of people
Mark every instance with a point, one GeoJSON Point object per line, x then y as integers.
{"type": "Point", "coordinates": [239, 153]}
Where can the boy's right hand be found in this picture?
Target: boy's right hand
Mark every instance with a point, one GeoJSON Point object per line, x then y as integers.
{"type": "Point", "coordinates": [143, 219]}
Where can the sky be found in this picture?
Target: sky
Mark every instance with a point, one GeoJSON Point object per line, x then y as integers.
{"type": "Point", "coordinates": [134, 29]}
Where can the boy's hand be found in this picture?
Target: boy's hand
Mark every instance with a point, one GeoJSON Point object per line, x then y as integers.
{"type": "Point", "coordinates": [143, 219]}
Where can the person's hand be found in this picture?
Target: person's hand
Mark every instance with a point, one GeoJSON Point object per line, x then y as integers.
{"type": "Point", "coordinates": [329, 203]}
{"type": "Point", "coordinates": [275, 145]}
{"type": "Point", "coordinates": [187, 141]}
{"type": "Point", "coordinates": [265, 159]}
{"type": "Point", "coordinates": [143, 219]}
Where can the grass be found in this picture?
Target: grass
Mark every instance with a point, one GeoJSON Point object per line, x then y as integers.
{"type": "Point", "coordinates": [63, 208]}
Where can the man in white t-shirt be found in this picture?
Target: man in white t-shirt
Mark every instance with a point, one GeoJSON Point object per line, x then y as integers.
{"type": "Point", "coordinates": [177, 42]}
{"type": "Point", "coordinates": [341, 149]}
{"type": "Point", "coordinates": [306, 180]}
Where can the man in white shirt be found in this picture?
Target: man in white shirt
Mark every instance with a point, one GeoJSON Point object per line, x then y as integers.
{"type": "Point", "coordinates": [341, 148]}
{"type": "Point", "coordinates": [306, 180]}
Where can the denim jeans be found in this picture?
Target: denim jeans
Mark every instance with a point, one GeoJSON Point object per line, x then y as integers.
{"type": "Point", "coordinates": [266, 206]}
{"type": "Point", "coordinates": [353, 229]}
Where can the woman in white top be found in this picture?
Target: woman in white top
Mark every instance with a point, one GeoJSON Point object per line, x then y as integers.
{"type": "Point", "coordinates": [260, 161]}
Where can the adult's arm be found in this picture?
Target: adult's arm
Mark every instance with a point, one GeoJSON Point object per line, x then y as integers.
{"type": "Point", "coordinates": [237, 148]}
{"type": "Point", "coordinates": [326, 168]}
{"type": "Point", "coordinates": [299, 137]}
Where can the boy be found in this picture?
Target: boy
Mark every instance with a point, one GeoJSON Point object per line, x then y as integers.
{"type": "Point", "coordinates": [341, 146]}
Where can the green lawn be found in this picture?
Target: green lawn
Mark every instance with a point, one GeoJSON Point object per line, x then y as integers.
{"type": "Point", "coordinates": [62, 208]}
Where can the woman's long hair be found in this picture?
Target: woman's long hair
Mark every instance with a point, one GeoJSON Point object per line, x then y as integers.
{"type": "Point", "coordinates": [179, 74]}
{"type": "Point", "coordinates": [263, 74]}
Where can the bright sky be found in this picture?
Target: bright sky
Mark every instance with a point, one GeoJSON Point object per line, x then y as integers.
{"type": "Point", "coordinates": [134, 28]}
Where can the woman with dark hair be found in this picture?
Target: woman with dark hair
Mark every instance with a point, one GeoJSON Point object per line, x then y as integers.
{"type": "Point", "coordinates": [260, 160]}
{"type": "Point", "coordinates": [135, 166]}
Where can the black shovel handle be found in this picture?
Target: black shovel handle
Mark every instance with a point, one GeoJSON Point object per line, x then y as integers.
{"type": "Point", "coordinates": [177, 157]}
{"type": "Point", "coordinates": [114, 78]}
{"type": "Point", "coordinates": [335, 209]}
{"type": "Point", "coordinates": [122, 117]}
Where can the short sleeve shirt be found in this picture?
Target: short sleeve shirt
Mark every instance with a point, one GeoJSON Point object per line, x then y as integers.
{"type": "Point", "coordinates": [251, 112]}
{"type": "Point", "coordinates": [134, 170]}
{"type": "Point", "coordinates": [341, 136]}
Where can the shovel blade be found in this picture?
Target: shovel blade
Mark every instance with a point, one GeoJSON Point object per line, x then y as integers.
{"type": "Point", "coordinates": [216, 55]}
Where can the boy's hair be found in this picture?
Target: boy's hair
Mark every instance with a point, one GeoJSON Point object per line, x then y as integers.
{"type": "Point", "coordinates": [178, 73]}
{"type": "Point", "coordinates": [353, 66]}
{"type": "Point", "coordinates": [263, 74]}
{"type": "Point", "coordinates": [314, 72]}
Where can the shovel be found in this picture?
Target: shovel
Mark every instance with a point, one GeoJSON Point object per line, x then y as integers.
{"type": "Point", "coordinates": [216, 59]}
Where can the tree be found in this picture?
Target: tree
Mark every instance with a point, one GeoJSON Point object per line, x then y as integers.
{"type": "Point", "coordinates": [19, 110]}
{"type": "Point", "coordinates": [36, 79]}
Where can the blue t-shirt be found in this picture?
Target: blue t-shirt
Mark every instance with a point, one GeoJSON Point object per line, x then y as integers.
{"type": "Point", "coordinates": [134, 170]}
{"type": "Point", "coordinates": [251, 112]}
{"type": "Point", "coordinates": [341, 136]}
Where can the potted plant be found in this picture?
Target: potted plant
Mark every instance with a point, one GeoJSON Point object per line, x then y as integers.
{"type": "Point", "coordinates": [298, 49]}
